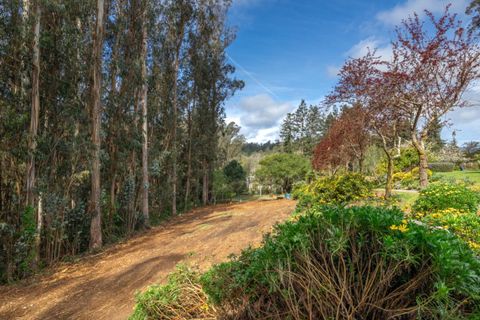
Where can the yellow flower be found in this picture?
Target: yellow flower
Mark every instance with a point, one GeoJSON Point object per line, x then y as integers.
{"type": "Point", "coordinates": [401, 228]}
{"type": "Point", "coordinates": [474, 245]}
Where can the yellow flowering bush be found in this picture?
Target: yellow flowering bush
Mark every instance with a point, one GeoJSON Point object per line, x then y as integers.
{"type": "Point", "coordinates": [341, 189]}
{"type": "Point", "coordinates": [441, 196]}
{"type": "Point", "coordinates": [465, 225]}
{"type": "Point", "coordinates": [452, 207]}
{"type": "Point", "coordinates": [409, 179]}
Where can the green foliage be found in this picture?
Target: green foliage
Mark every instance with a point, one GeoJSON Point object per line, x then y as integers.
{"type": "Point", "coordinates": [330, 250]}
{"type": "Point", "coordinates": [180, 298]}
{"type": "Point", "coordinates": [465, 225]}
{"type": "Point", "coordinates": [283, 170]}
{"type": "Point", "coordinates": [409, 179]}
{"type": "Point", "coordinates": [222, 189]}
{"type": "Point", "coordinates": [187, 138]}
{"type": "Point", "coordinates": [340, 189]}
{"type": "Point", "coordinates": [408, 160]}
{"type": "Point", "coordinates": [442, 166]}
{"type": "Point", "coordinates": [236, 176]}
{"type": "Point", "coordinates": [440, 196]}
{"type": "Point", "coordinates": [24, 246]}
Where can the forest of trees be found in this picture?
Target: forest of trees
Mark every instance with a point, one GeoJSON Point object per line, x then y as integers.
{"type": "Point", "coordinates": [111, 113]}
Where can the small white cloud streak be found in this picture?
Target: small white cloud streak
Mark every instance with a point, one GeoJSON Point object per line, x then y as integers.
{"type": "Point", "coordinates": [251, 76]}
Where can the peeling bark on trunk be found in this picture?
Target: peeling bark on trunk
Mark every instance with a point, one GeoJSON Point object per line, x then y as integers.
{"type": "Point", "coordinates": [175, 115]}
{"type": "Point", "coordinates": [189, 162]}
{"type": "Point", "coordinates": [95, 209]}
{"type": "Point", "coordinates": [143, 107]}
{"type": "Point", "coordinates": [34, 121]}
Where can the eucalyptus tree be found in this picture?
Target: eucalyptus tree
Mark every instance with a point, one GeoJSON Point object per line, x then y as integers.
{"type": "Point", "coordinates": [96, 112]}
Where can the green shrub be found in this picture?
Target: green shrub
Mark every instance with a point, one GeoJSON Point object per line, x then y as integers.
{"type": "Point", "coordinates": [442, 166]}
{"type": "Point", "coordinates": [339, 189]}
{"type": "Point", "coordinates": [181, 298]}
{"type": "Point", "coordinates": [358, 262]}
{"type": "Point", "coordinates": [407, 161]}
{"type": "Point", "coordinates": [409, 180]}
{"type": "Point", "coordinates": [440, 196]}
{"type": "Point", "coordinates": [465, 225]}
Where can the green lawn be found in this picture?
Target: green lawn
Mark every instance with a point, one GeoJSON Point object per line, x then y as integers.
{"type": "Point", "coordinates": [406, 197]}
{"type": "Point", "coordinates": [473, 176]}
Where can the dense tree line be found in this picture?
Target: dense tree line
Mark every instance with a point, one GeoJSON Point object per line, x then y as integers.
{"type": "Point", "coordinates": [252, 147]}
{"type": "Point", "coordinates": [110, 114]}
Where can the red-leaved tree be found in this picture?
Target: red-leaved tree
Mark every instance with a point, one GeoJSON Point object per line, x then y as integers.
{"type": "Point", "coordinates": [364, 82]}
{"type": "Point", "coordinates": [345, 142]}
{"type": "Point", "coordinates": [431, 70]}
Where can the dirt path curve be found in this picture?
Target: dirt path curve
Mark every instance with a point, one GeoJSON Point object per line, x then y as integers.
{"type": "Point", "coordinates": [103, 286]}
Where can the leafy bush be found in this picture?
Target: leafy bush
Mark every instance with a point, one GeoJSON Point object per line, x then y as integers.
{"type": "Point", "coordinates": [440, 196]}
{"type": "Point", "coordinates": [349, 263]}
{"type": "Point", "coordinates": [236, 176]}
{"type": "Point", "coordinates": [340, 189]}
{"type": "Point", "coordinates": [407, 161]}
{"type": "Point", "coordinates": [181, 298]}
{"type": "Point", "coordinates": [465, 225]}
{"type": "Point", "coordinates": [283, 170]}
{"type": "Point", "coordinates": [410, 179]}
{"type": "Point", "coordinates": [222, 189]}
{"type": "Point", "coordinates": [442, 166]}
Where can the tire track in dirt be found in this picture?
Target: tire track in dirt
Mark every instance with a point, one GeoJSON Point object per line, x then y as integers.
{"type": "Point", "coordinates": [102, 286]}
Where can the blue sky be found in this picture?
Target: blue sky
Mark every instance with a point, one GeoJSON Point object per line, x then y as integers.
{"type": "Point", "coordinates": [288, 50]}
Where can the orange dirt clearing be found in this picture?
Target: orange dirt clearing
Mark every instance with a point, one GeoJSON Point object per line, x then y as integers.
{"type": "Point", "coordinates": [103, 286]}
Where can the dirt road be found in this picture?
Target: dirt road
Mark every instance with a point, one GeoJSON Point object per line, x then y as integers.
{"type": "Point", "coordinates": [103, 286]}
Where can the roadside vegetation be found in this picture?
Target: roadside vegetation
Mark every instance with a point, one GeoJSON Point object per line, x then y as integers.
{"type": "Point", "coordinates": [344, 262]}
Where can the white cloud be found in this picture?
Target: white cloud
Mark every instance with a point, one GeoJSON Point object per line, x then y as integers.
{"type": "Point", "coordinates": [264, 135]}
{"type": "Point", "coordinates": [383, 50]}
{"type": "Point", "coordinates": [402, 11]}
{"type": "Point", "coordinates": [259, 116]}
{"type": "Point", "coordinates": [261, 111]}
{"type": "Point", "coordinates": [466, 121]}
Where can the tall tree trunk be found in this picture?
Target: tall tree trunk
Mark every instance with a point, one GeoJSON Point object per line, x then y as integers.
{"type": "Point", "coordinates": [423, 169]}
{"type": "Point", "coordinates": [143, 106]}
{"type": "Point", "coordinates": [174, 136]}
{"type": "Point", "coordinates": [189, 162]}
{"type": "Point", "coordinates": [34, 120]}
{"type": "Point", "coordinates": [389, 184]}
{"type": "Point", "coordinates": [419, 145]}
{"type": "Point", "coordinates": [205, 183]}
{"type": "Point", "coordinates": [113, 149]}
{"type": "Point", "coordinates": [96, 223]}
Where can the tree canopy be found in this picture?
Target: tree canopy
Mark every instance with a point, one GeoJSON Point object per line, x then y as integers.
{"type": "Point", "coordinates": [283, 170]}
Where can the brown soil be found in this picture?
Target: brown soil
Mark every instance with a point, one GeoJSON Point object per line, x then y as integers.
{"type": "Point", "coordinates": [102, 286]}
